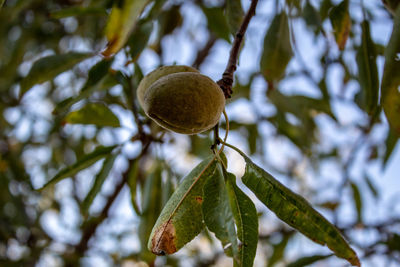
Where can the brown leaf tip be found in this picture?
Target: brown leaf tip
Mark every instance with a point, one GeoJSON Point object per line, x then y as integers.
{"type": "Point", "coordinates": [163, 241]}
{"type": "Point", "coordinates": [199, 199]}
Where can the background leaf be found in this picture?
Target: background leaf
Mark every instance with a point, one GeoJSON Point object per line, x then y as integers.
{"type": "Point", "coordinates": [390, 93]}
{"type": "Point", "coordinates": [122, 20]}
{"type": "Point", "coordinates": [306, 261]}
{"type": "Point", "coordinates": [368, 71]}
{"type": "Point", "coordinates": [93, 113]}
{"type": "Point", "coordinates": [217, 22]}
{"type": "Point", "coordinates": [82, 163]}
{"type": "Point", "coordinates": [234, 13]}
{"type": "Point", "coordinates": [47, 68]}
{"type": "Point", "coordinates": [341, 23]}
{"type": "Point", "coordinates": [277, 50]}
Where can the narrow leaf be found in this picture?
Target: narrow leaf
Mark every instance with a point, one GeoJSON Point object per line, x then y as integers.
{"type": "Point", "coordinates": [217, 22]}
{"type": "Point", "coordinates": [234, 13]}
{"type": "Point", "coordinates": [98, 182]}
{"type": "Point", "coordinates": [99, 78]}
{"type": "Point", "coordinates": [391, 141]}
{"type": "Point", "coordinates": [341, 23]}
{"type": "Point", "coordinates": [151, 208]}
{"type": "Point", "coordinates": [277, 49]}
{"type": "Point", "coordinates": [245, 215]}
{"type": "Point", "coordinates": [93, 113]}
{"type": "Point", "coordinates": [139, 39]}
{"type": "Point", "coordinates": [306, 261]}
{"type": "Point", "coordinates": [279, 250]}
{"type": "Point", "coordinates": [390, 91]}
{"type": "Point", "coordinates": [78, 11]}
{"type": "Point", "coordinates": [357, 201]}
{"type": "Point", "coordinates": [368, 71]}
{"type": "Point", "coordinates": [217, 213]}
{"type": "Point", "coordinates": [295, 211]}
{"type": "Point", "coordinates": [2, 3]}
{"type": "Point", "coordinates": [311, 17]}
{"type": "Point", "coordinates": [122, 20]}
{"type": "Point", "coordinates": [181, 219]}
{"type": "Point", "coordinates": [82, 163]}
{"type": "Point", "coordinates": [49, 67]}
{"type": "Point", "coordinates": [371, 186]}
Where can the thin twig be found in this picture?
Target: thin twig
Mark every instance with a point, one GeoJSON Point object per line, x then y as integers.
{"type": "Point", "coordinates": [204, 52]}
{"type": "Point", "coordinates": [227, 77]}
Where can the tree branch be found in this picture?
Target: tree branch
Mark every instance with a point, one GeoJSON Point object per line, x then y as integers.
{"type": "Point", "coordinates": [227, 77]}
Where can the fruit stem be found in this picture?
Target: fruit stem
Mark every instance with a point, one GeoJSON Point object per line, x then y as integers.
{"type": "Point", "coordinates": [227, 77]}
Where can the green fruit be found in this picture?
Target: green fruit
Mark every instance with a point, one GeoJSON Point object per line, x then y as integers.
{"type": "Point", "coordinates": [184, 102]}
{"type": "Point", "coordinates": [156, 74]}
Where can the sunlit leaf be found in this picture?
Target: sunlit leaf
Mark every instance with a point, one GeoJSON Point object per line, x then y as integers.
{"type": "Point", "coordinates": [121, 21]}
{"type": "Point", "coordinates": [341, 23]}
{"type": "Point", "coordinates": [306, 261]}
{"type": "Point", "coordinates": [217, 22]}
{"type": "Point", "coordinates": [49, 67]}
{"type": "Point", "coordinates": [217, 213]}
{"type": "Point", "coordinates": [357, 201]}
{"type": "Point", "coordinates": [295, 211]}
{"type": "Point", "coordinates": [277, 50]}
{"type": "Point", "coordinates": [181, 219]}
{"type": "Point", "coordinates": [78, 11]}
{"type": "Point", "coordinates": [246, 220]}
{"type": "Point", "coordinates": [234, 13]}
{"type": "Point", "coordinates": [368, 71]}
{"type": "Point", "coordinates": [390, 91]}
{"type": "Point", "coordinates": [93, 113]}
{"type": "Point", "coordinates": [82, 163]}
{"type": "Point", "coordinates": [98, 182]}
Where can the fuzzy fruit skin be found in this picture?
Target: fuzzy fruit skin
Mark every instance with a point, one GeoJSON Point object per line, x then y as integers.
{"type": "Point", "coordinates": [156, 74]}
{"type": "Point", "coordinates": [184, 102]}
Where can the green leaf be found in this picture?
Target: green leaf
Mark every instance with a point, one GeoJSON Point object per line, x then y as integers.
{"type": "Point", "coordinates": [217, 213]}
{"type": "Point", "coordinates": [49, 67]}
{"type": "Point", "coordinates": [311, 17]}
{"type": "Point", "coordinates": [234, 13]}
{"type": "Point", "coordinates": [371, 186]}
{"type": "Point", "coordinates": [357, 201]}
{"type": "Point", "coordinates": [78, 11]}
{"type": "Point", "coordinates": [277, 49]}
{"type": "Point", "coordinates": [151, 208]}
{"type": "Point", "coordinates": [121, 22]}
{"type": "Point", "coordinates": [341, 23]}
{"type": "Point", "coordinates": [279, 250]}
{"type": "Point", "coordinates": [368, 71]}
{"type": "Point", "coordinates": [306, 261]}
{"type": "Point", "coordinates": [93, 113]}
{"type": "Point", "coordinates": [246, 220]}
{"type": "Point", "coordinates": [98, 182]}
{"type": "Point", "coordinates": [390, 91]}
{"type": "Point", "coordinates": [217, 22]}
{"type": "Point", "coordinates": [391, 141]}
{"type": "Point", "coordinates": [181, 219]}
{"type": "Point", "coordinates": [82, 163]}
{"type": "Point", "coordinates": [391, 5]}
{"type": "Point", "coordinates": [132, 183]}
{"type": "Point", "coordinates": [2, 3]}
{"type": "Point", "coordinates": [139, 39]}
{"type": "Point", "coordinates": [295, 211]}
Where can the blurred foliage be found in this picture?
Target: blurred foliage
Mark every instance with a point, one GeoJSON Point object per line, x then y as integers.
{"type": "Point", "coordinates": [68, 74]}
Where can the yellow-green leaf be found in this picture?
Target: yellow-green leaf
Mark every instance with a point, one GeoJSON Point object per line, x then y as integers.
{"type": "Point", "coordinates": [49, 67]}
{"type": "Point", "coordinates": [277, 49]}
{"type": "Point", "coordinates": [390, 91]}
{"type": "Point", "coordinates": [121, 21]}
{"type": "Point", "coordinates": [181, 219]}
{"type": "Point", "coordinates": [93, 113]}
{"type": "Point", "coordinates": [341, 23]}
